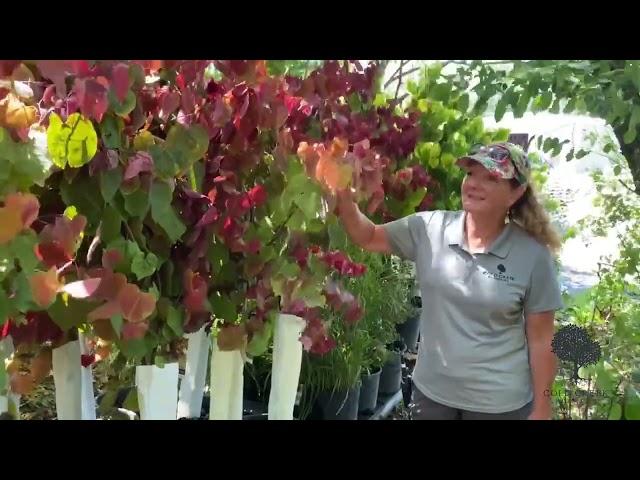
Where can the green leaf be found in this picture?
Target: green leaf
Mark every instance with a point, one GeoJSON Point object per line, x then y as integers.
{"type": "Point", "coordinates": [122, 108]}
{"type": "Point", "coordinates": [144, 266]}
{"type": "Point", "coordinates": [571, 105]}
{"type": "Point", "coordinates": [616, 411]}
{"type": "Point", "coordinates": [82, 193]}
{"type": "Point", "coordinates": [159, 361]}
{"type": "Point", "coordinates": [22, 300]}
{"type": "Point", "coordinates": [4, 311]}
{"type": "Point", "coordinates": [354, 101]}
{"type": "Point", "coordinates": [23, 164]}
{"type": "Point", "coordinates": [296, 221]}
{"type": "Point", "coordinates": [501, 135]}
{"type": "Point", "coordinates": [111, 129]}
{"type": "Point", "coordinates": [581, 153]}
{"type": "Point", "coordinates": [632, 131]}
{"type": "Point", "coordinates": [175, 320]}
{"type": "Point", "coordinates": [137, 203]}
{"type": "Point", "coordinates": [501, 109]}
{"type": "Point", "coordinates": [22, 248]}
{"type": "Point", "coordinates": [616, 170]}
{"type": "Point", "coordinates": [380, 100]}
{"type": "Point", "coordinates": [153, 290]}
{"type": "Point", "coordinates": [440, 92]}
{"type": "Point", "coordinates": [337, 236]}
{"type": "Point", "coordinates": [260, 341]}
{"type": "Point", "coordinates": [223, 307]}
{"type": "Point", "coordinates": [71, 313]}
{"type": "Point", "coordinates": [131, 402]}
{"type": "Point", "coordinates": [521, 106]}
{"type": "Point", "coordinates": [413, 200]}
{"type": "Point", "coordinates": [463, 103]}
{"type": "Point", "coordinates": [110, 181]}
{"type": "Point", "coordinates": [70, 212]}
{"type": "Point", "coordinates": [309, 202]}
{"type": "Point", "coordinates": [310, 293]}
{"type": "Point", "coordinates": [186, 145]}
{"type": "Point", "coordinates": [74, 142]}
{"type": "Point", "coordinates": [117, 322]}
{"type": "Point", "coordinates": [632, 404]}
{"type": "Point", "coordinates": [543, 101]}
{"type": "Point", "coordinates": [570, 155]}
{"type": "Point", "coordinates": [605, 379]}
{"type": "Point", "coordinates": [163, 213]}
{"type": "Point", "coordinates": [111, 224]}
{"type": "Point", "coordinates": [218, 255]}
{"type": "Point", "coordinates": [134, 349]}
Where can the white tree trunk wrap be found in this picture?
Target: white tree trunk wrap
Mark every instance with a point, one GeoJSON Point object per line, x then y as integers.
{"type": "Point", "coordinates": [6, 350]}
{"type": "Point", "coordinates": [287, 361]}
{"type": "Point", "coordinates": [86, 384]}
{"type": "Point", "coordinates": [227, 380]}
{"type": "Point", "coordinates": [67, 376]}
{"type": "Point", "coordinates": [195, 374]}
{"type": "Point", "coordinates": [157, 391]}
{"type": "Point", "coordinates": [75, 399]}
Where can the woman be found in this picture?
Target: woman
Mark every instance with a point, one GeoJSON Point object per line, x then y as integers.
{"type": "Point", "coordinates": [489, 290]}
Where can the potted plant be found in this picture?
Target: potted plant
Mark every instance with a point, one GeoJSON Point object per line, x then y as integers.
{"type": "Point", "coordinates": [332, 382]}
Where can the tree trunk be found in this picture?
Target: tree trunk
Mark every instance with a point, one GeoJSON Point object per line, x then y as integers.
{"type": "Point", "coordinates": [632, 153]}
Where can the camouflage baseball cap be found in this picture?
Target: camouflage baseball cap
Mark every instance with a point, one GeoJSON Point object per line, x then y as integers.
{"type": "Point", "coordinates": [504, 159]}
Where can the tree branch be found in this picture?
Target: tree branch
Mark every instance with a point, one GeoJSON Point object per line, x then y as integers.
{"type": "Point", "coordinates": [390, 81]}
{"type": "Point", "coordinates": [395, 97]}
{"type": "Point", "coordinates": [626, 186]}
{"type": "Point", "coordinates": [408, 72]}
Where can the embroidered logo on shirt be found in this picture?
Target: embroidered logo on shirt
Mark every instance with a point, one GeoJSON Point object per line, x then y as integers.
{"type": "Point", "coordinates": [500, 276]}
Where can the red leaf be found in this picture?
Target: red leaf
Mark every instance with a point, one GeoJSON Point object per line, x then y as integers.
{"type": "Point", "coordinates": [44, 287]}
{"type": "Point", "coordinates": [188, 101]}
{"type": "Point", "coordinates": [134, 304]}
{"type": "Point", "coordinates": [105, 312]}
{"type": "Point", "coordinates": [196, 292]}
{"type": "Point", "coordinates": [111, 258]}
{"type": "Point", "coordinates": [81, 288]}
{"type": "Point", "coordinates": [140, 162]}
{"type": "Point", "coordinates": [110, 285]}
{"type": "Point", "coordinates": [133, 331]}
{"type": "Point", "coordinates": [27, 204]}
{"type": "Point", "coordinates": [253, 247]}
{"type": "Point", "coordinates": [92, 96]}
{"type": "Point", "coordinates": [87, 360]}
{"type": "Point", "coordinates": [354, 313]}
{"type": "Point", "coordinates": [64, 234]}
{"type": "Point", "coordinates": [258, 195]}
{"type": "Point", "coordinates": [120, 80]}
{"type": "Point", "coordinates": [56, 71]}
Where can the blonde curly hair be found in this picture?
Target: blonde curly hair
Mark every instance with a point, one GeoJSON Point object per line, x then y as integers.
{"type": "Point", "coordinates": [529, 213]}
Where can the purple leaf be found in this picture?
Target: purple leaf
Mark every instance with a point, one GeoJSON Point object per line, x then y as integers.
{"type": "Point", "coordinates": [120, 81]}
{"type": "Point", "coordinates": [140, 162]}
{"type": "Point", "coordinates": [209, 217]}
{"type": "Point", "coordinates": [92, 96]}
{"type": "Point", "coordinates": [169, 103]}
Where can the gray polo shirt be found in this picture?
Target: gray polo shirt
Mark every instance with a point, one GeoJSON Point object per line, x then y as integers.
{"type": "Point", "coordinates": [473, 354]}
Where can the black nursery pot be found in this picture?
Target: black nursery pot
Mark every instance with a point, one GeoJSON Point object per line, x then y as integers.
{"type": "Point", "coordinates": [369, 392]}
{"type": "Point", "coordinates": [409, 331]}
{"type": "Point", "coordinates": [391, 375]}
{"type": "Point", "coordinates": [340, 404]}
